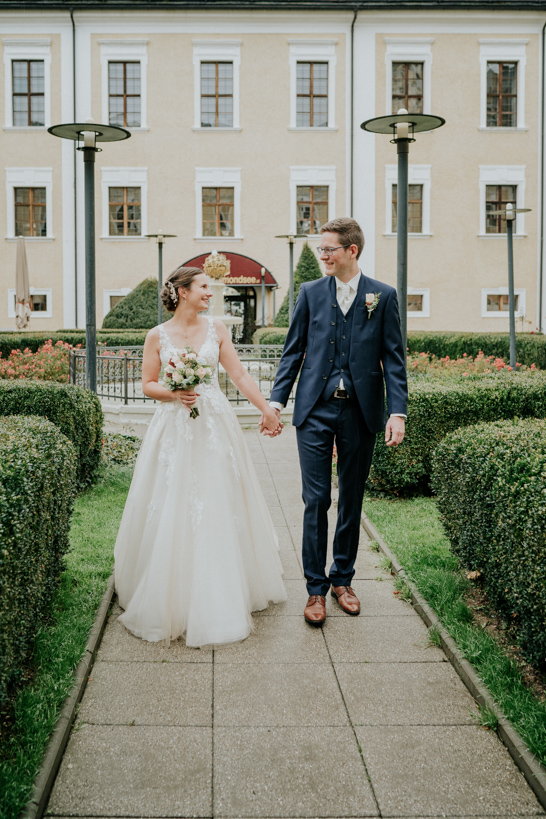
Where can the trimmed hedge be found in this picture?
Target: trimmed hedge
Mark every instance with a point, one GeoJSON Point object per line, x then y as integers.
{"type": "Point", "coordinates": [109, 338]}
{"type": "Point", "coordinates": [38, 469]}
{"type": "Point", "coordinates": [530, 347]}
{"type": "Point", "coordinates": [490, 482]}
{"type": "Point", "coordinates": [439, 406]}
{"type": "Point", "coordinates": [74, 410]}
{"type": "Point", "coordinates": [277, 336]}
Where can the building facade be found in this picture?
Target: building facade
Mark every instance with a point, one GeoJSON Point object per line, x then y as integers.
{"type": "Point", "coordinates": [245, 125]}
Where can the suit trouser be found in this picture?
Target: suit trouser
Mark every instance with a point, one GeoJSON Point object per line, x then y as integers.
{"type": "Point", "coordinates": [339, 421]}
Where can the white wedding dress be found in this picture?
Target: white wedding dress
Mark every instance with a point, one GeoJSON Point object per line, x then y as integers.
{"type": "Point", "coordinates": [196, 550]}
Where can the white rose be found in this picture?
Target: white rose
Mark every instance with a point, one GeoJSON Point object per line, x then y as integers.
{"type": "Point", "coordinates": [177, 378]}
{"type": "Point", "coordinates": [201, 372]}
{"type": "Point", "coordinates": [369, 298]}
{"type": "Point", "coordinates": [189, 372]}
{"type": "Point", "coordinates": [191, 356]}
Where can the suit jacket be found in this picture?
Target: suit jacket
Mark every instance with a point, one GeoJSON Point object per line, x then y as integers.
{"type": "Point", "coordinates": [376, 355]}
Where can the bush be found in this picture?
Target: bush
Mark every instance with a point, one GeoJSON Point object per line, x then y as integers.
{"type": "Point", "coordinates": [49, 363]}
{"type": "Point", "coordinates": [439, 406]}
{"type": "Point", "coordinates": [137, 310]}
{"type": "Point", "coordinates": [33, 341]}
{"type": "Point", "coordinates": [274, 336]}
{"type": "Point", "coordinates": [37, 480]}
{"type": "Point", "coordinates": [74, 410]}
{"type": "Point", "coordinates": [530, 347]}
{"type": "Point", "coordinates": [307, 269]}
{"type": "Point", "coordinates": [490, 482]}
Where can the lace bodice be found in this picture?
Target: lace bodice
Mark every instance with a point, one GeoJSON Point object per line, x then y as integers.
{"type": "Point", "coordinates": [209, 350]}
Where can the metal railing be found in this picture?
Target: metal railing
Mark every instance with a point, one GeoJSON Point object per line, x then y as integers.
{"type": "Point", "coordinates": [119, 372]}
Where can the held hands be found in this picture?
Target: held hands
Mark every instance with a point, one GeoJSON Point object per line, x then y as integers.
{"type": "Point", "coordinates": [394, 431]}
{"type": "Point", "coordinates": [270, 422]}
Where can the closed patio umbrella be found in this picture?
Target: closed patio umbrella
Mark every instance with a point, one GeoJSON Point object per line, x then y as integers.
{"type": "Point", "coordinates": [22, 290]}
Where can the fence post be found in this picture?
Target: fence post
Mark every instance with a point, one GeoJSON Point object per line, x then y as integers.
{"type": "Point", "coordinates": [125, 380]}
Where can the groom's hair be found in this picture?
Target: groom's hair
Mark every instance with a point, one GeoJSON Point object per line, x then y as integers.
{"type": "Point", "coordinates": [348, 230]}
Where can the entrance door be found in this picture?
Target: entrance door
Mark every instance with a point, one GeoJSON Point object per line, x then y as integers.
{"type": "Point", "coordinates": [242, 303]}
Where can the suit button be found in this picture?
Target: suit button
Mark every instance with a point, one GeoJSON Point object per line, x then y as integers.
{"type": "Point", "coordinates": [330, 360]}
{"type": "Point", "coordinates": [324, 377]}
{"type": "Point", "coordinates": [344, 321]}
{"type": "Point", "coordinates": [333, 323]}
{"type": "Point", "coordinates": [342, 353]}
{"type": "Point", "coordinates": [334, 304]}
{"type": "Point", "coordinates": [331, 341]}
{"type": "Point", "coordinates": [343, 336]}
{"type": "Point", "coordinates": [342, 370]}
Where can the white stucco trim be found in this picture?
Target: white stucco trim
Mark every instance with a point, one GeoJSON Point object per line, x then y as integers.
{"type": "Point", "coordinates": [323, 51]}
{"type": "Point", "coordinates": [425, 293]}
{"type": "Point", "coordinates": [218, 178]}
{"type": "Point", "coordinates": [503, 291]}
{"type": "Point", "coordinates": [34, 291]}
{"type": "Point", "coordinates": [26, 49]}
{"type": "Point", "coordinates": [29, 178]}
{"type": "Point", "coordinates": [312, 175]}
{"type": "Point", "coordinates": [125, 178]}
{"type": "Point", "coordinates": [123, 51]}
{"type": "Point", "coordinates": [417, 175]}
{"type": "Point", "coordinates": [228, 51]}
{"type": "Point", "coordinates": [409, 50]}
{"type": "Point", "coordinates": [492, 50]}
{"type": "Point", "coordinates": [503, 175]}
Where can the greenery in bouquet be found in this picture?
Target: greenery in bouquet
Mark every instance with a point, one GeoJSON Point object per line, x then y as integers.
{"type": "Point", "coordinates": [49, 363]}
{"type": "Point", "coordinates": [185, 371]}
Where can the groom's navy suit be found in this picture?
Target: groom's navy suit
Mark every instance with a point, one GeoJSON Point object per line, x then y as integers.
{"type": "Point", "coordinates": [367, 353]}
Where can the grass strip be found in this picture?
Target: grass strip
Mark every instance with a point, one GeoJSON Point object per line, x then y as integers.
{"type": "Point", "coordinates": [413, 531]}
{"type": "Point", "coordinates": [62, 640]}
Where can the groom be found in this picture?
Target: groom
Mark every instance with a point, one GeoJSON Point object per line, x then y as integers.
{"type": "Point", "coordinates": [346, 333]}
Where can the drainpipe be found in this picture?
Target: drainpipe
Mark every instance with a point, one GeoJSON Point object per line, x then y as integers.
{"type": "Point", "coordinates": [351, 158]}
{"type": "Point", "coordinates": [541, 253]}
{"type": "Point", "coordinates": [75, 169]}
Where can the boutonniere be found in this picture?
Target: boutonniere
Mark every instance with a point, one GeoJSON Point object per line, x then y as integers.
{"type": "Point", "coordinates": [372, 300]}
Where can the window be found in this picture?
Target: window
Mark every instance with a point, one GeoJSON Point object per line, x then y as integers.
{"type": "Point", "coordinates": [124, 211]}
{"type": "Point", "coordinates": [312, 95]}
{"type": "Point", "coordinates": [415, 208]}
{"type": "Point", "coordinates": [418, 302]}
{"type": "Point", "coordinates": [496, 198]}
{"type": "Point", "coordinates": [218, 208]}
{"type": "Point", "coordinates": [408, 63]}
{"type": "Point", "coordinates": [30, 212]}
{"type": "Point", "coordinates": [499, 185]}
{"type": "Point", "coordinates": [415, 303]}
{"type": "Point", "coordinates": [124, 94]}
{"type": "Point", "coordinates": [312, 83]}
{"type": "Point", "coordinates": [124, 82]}
{"type": "Point", "coordinates": [495, 302]}
{"type": "Point", "coordinates": [312, 205]}
{"type": "Point", "coordinates": [40, 302]}
{"type": "Point", "coordinates": [502, 66]}
{"type": "Point", "coordinates": [27, 83]}
{"type": "Point", "coordinates": [28, 92]}
{"type": "Point", "coordinates": [419, 188]}
{"type": "Point", "coordinates": [115, 300]}
{"type": "Point", "coordinates": [112, 297]}
{"type": "Point", "coordinates": [216, 95]}
{"type": "Point", "coordinates": [407, 87]}
{"type": "Point", "coordinates": [216, 84]}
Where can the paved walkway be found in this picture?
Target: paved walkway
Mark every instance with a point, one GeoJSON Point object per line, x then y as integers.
{"type": "Point", "coordinates": [360, 718]}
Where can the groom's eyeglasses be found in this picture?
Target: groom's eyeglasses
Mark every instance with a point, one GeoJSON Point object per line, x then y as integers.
{"type": "Point", "coordinates": [330, 250]}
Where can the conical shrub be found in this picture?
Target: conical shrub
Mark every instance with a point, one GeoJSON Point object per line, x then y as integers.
{"type": "Point", "coordinates": [307, 269]}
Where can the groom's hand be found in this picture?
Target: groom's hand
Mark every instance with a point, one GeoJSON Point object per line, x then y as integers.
{"type": "Point", "coordinates": [270, 423]}
{"type": "Point", "coordinates": [394, 431]}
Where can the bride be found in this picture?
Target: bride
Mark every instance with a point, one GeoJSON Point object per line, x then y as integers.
{"type": "Point", "coordinates": [196, 550]}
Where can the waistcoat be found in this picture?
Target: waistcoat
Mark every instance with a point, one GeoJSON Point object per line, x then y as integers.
{"type": "Point", "coordinates": [341, 333]}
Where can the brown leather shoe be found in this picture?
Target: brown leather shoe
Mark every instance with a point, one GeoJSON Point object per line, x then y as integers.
{"type": "Point", "coordinates": [347, 599]}
{"type": "Point", "coordinates": [315, 610]}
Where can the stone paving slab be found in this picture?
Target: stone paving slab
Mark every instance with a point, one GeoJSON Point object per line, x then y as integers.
{"type": "Point", "coordinates": [277, 640]}
{"type": "Point", "coordinates": [380, 639]}
{"type": "Point", "coordinates": [118, 644]}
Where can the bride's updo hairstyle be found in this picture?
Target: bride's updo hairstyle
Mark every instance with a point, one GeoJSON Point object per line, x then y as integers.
{"type": "Point", "coordinates": [181, 277]}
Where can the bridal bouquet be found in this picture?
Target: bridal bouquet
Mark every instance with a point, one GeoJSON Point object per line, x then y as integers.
{"type": "Point", "coordinates": [185, 371]}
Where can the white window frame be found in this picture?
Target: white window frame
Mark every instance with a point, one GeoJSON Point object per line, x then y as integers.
{"type": "Point", "coordinates": [125, 178]}
{"type": "Point", "coordinates": [425, 293]}
{"type": "Point", "coordinates": [134, 51]}
{"type": "Point", "coordinates": [503, 51]}
{"type": "Point", "coordinates": [34, 291]}
{"type": "Point", "coordinates": [31, 49]}
{"type": "Point", "coordinates": [218, 178]}
{"type": "Point", "coordinates": [222, 51]}
{"type": "Point", "coordinates": [310, 51]}
{"type": "Point", "coordinates": [121, 291]}
{"type": "Point", "coordinates": [29, 178]}
{"type": "Point", "coordinates": [409, 50]}
{"type": "Point", "coordinates": [503, 175]}
{"type": "Point", "coordinates": [311, 175]}
{"type": "Point", "coordinates": [503, 291]}
{"type": "Point", "coordinates": [417, 175]}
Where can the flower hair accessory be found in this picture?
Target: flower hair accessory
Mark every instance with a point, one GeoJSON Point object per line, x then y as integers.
{"type": "Point", "coordinates": [172, 291]}
{"type": "Point", "coordinates": [372, 300]}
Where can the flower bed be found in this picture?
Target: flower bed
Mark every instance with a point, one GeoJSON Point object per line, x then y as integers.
{"type": "Point", "coordinates": [465, 365]}
{"type": "Point", "coordinates": [530, 347]}
{"type": "Point", "coordinates": [48, 363]}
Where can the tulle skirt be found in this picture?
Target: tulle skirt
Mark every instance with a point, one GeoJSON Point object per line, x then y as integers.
{"type": "Point", "coordinates": [196, 551]}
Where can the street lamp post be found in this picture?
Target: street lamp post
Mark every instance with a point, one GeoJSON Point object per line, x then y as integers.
{"type": "Point", "coordinates": [291, 240]}
{"type": "Point", "coordinates": [510, 215]}
{"type": "Point", "coordinates": [402, 126]}
{"type": "Point", "coordinates": [87, 134]}
{"type": "Point", "coordinates": [160, 242]}
{"type": "Point", "coordinates": [262, 272]}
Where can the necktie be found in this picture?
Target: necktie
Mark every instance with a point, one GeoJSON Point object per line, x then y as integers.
{"type": "Point", "coordinates": [344, 296]}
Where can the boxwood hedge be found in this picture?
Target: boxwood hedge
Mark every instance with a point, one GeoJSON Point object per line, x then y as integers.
{"type": "Point", "coordinates": [109, 338]}
{"type": "Point", "coordinates": [439, 406]}
{"type": "Point", "coordinates": [74, 410]}
{"type": "Point", "coordinates": [530, 347]}
{"type": "Point", "coordinates": [490, 482]}
{"type": "Point", "coordinates": [38, 469]}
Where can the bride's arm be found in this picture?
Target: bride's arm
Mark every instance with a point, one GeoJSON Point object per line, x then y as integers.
{"type": "Point", "coordinates": [242, 378]}
{"type": "Point", "coordinates": [151, 366]}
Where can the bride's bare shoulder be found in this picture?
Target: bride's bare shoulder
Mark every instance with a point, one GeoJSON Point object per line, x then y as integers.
{"type": "Point", "coordinates": [152, 337]}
